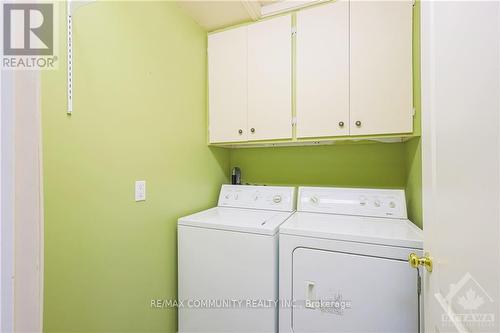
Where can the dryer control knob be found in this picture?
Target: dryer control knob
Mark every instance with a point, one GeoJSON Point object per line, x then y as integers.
{"type": "Point", "coordinates": [377, 203]}
{"type": "Point", "coordinates": [314, 200]}
{"type": "Point", "coordinates": [392, 204]}
{"type": "Point", "coordinates": [277, 198]}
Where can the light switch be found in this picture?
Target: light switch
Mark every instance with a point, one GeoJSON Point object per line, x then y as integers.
{"type": "Point", "coordinates": [140, 190]}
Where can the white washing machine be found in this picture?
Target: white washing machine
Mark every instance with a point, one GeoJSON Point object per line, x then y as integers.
{"type": "Point", "coordinates": [344, 263]}
{"type": "Point", "coordinates": [228, 261]}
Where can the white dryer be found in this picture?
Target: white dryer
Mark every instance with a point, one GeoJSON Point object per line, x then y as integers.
{"type": "Point", "coordinates": [228, 261]}
{"type": "Point", "coordinates": [344, 263]}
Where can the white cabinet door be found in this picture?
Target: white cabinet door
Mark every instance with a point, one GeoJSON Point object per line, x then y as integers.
{"type": "Point", "coordinates": [322, 51]}
{"type": "Point", "coordinates": [227, 85]}
{"type": "Point", "coordinates": [270, 79]}
{"type": "Point", "coordinates": [381, 99]}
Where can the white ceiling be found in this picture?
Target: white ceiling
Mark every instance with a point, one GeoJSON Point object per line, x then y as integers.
{"type": "Point", "coordinates": [213, 15]}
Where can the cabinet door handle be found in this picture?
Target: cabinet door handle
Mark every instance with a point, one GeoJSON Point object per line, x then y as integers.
{"type": "Point", "coordinates": [341, 123]}
{"type": "Point", "coordinates": [240, 131]}
{"type": "Point", "coordinates": [252, 130]}
{"type": "Point", "coordinates": [358, 123]}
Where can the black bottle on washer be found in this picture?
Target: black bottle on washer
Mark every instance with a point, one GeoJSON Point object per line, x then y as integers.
{"type": "Point", "coordinates": [236, 176]}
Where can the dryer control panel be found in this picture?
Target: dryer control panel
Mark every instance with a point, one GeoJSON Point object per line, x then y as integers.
{"type": "Point", "coordinates": [280, 198]}
{"type": "Point", "coordinates": [353, 201]}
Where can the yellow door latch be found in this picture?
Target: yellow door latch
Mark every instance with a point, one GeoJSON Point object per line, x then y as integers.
{"type": "Point", "coordinates": [425, 261]}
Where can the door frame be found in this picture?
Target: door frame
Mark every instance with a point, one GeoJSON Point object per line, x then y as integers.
{"type": "Point", "coordinates": [21, 202]}
{"type": "Point", "coordinates": [6, 203]}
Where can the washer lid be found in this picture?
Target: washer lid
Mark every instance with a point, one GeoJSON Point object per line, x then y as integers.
{"type": "Point", "coordinates": [265, 222]}
{"type": "Point", "coordinates": [374, 230]}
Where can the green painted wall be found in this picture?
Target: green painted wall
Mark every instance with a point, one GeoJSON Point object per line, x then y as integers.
{"type": "Point", "coordinates": [139, 113]}
{"type": "Point", "coordinates": [413, 164]}
{"type": "Point", "coordinates": [378, 165]}
{"type": "Point", "coordinates": [357, 165]}
{"type": "Point", "coordinates": [412, 148]}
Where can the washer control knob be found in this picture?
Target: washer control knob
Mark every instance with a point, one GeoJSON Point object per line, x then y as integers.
{"type": "Point", "coordinates": [392, 204]}
{"type": "Point", "coordinates": [277, 198]}
{"type": "Point", "coordinates": [227, 196]}
{"type": "Point", "coordinates": [377, 203]}
{"type": "Point", "coordinates": [314, 200]}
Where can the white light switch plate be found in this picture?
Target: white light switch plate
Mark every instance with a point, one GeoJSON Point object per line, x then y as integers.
{"type": "Point", "coordinates": [140, 190]}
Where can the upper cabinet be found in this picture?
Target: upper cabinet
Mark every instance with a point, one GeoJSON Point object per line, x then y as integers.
{"type": "Point", "coordinates": [352, 73]}
{"type": "Point", "coordinates": [250, 82]}
{"type": "Point", "coordinates": [322, 67]}
{"type": "Point", "coordinates": [270, 79]}
{"type": "Point", "coordinates": [381, 100]}
{"type": "Point", "coordinates": [227, 82]}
